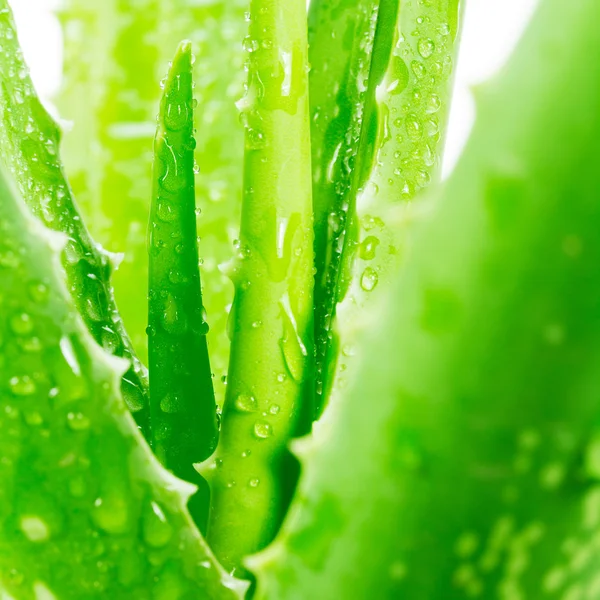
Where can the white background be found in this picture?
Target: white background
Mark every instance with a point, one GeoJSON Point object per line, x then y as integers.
{"type": "Point", "coordinates": [491, 30]}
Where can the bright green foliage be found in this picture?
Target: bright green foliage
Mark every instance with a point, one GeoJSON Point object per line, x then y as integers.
{"type": "Point", "coordinates": [271, 320]}
{"type": "Point", "coordinates": [343, 33]}
{"type": "Point", "coordinates": [463, 462]}
{"type": "Point", "coordinates": [113, 100]}
{"type": "Point", "coordinates": [380, 103]}
{"type": "Point", "coordinates": [183, 409]}
{"type": "Point", "coordinates": [111, 94]}
{"type": "Point", "coordinates": [85, 509]}
{"type": "Point", "coordinates": [29, 144]}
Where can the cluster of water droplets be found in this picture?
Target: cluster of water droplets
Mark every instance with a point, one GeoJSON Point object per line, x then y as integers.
{"type": "Point", "coordinates": [30, 141]}
{"type": "Point", "coordinates": [65, 432]}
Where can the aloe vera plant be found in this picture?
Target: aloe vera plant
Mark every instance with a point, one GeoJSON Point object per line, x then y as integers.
{"type": "Point", "coordinates": [110, 93]}
{"type": "Point", "coordinates": [434, 344]}
{"type": "Point", "coordinates": [271, 321]}
{"type": "Point", "coordinates": [379, 107]}
{"type": "Point", "coordinates": [78, 481]}
{"type": "Point", "coordinates": [183, 409]}
{"type": "Point", "coordinates": [483, 440]}
{"type": "Point", "coordinates": [29, 140]}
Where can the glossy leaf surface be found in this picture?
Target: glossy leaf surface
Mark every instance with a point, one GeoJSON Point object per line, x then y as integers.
{"type": "Point", "coordinates": [183, 409]}
{"type": "Point", "coordinates": [463, 460]}
{"type": "Point", "coordinates": [269, 383]}
{"type": "Point", "coordinates": [111, 94]}
{"type": "Point", "coordinates": [29, 144]}
{"type": "Point", "coordinates": [85, 509]}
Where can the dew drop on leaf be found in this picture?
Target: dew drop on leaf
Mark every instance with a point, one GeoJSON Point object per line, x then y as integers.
{"type": "Point", "coordinates": [111, 514]}
{"type": "Point", "coordinates": [399, 76]}
{"type": "Point", "coordinates": [22, 385]}
{"type": "Point", "coordinates": [369, 279]}
{"type": "Point", "coordinates": [246, 403]}
{"type": "Point", "coordinates": [132, 395]}
{"type": "Point", "coordinates": [21, 324]}
{"type": "Point", "coordinates": [368, 248]}
{"type": "Point", "coordinates": [418, 69]}
{"type": "Point", "coordinates": [35, 528]}
{"type": "Point", "coordinates": [77, 421]}
{"type": "Point", "coordinates": [263, 430]}
{"type": "Point", "coordinates": [426, 47]}
{"type": "Point", "coordinates": [157, 530]}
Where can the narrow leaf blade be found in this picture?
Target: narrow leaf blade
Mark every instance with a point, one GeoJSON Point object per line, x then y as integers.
{"type": "Point", "coordinates": [183, 409]}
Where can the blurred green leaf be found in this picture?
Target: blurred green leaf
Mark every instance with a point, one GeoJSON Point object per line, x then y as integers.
{"type": "Point", "coordinates": [111, 94]}
{"type": "Point", "coordinates": [463, 460]}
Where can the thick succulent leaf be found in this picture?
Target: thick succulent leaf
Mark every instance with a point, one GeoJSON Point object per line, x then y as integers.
{"type": "Point", "coordinates": [111, 94]}
{"type": "Point", "coordinates": [377, 140]}
{"type": "Point", "coordinates": [29, 143]}
{"type": "Point", "coordinates": [251, 472]}
{"type": "Point", "coordinates": [463, 461]}
{"type": "Point", "coordinates": [341, 38]}
{"type": "Point", "coordinates": [85, 509]}
{"type": "Point", "coordinates": [183, 409]}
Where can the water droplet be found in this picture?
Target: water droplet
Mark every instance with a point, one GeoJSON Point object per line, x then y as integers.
{"type": "Point", "coordinates": [35, 529]}
{"type": "Point", "coordinates": [21, 324]}
{"type": "Point", "coordinates": [111, 514]}
{"type": "Point", "coordinates": [292, 346]}
{"type": "Point", "coordinates": [157, 530]}
{"type": "Point", "coordinates": [133, 396]}
{"type": "Point", "coordinates": [426, 47]}
{"type": "Point", "coordinates": [38, 292]}
{"type": "Point", "coordinates": [22, 386]}
{"type": "Point", "coordinates": [399, 76]}
{"type": "Point", "coordinates": [368, 248]}
{"type": "Point", "coordinates": [263, 430]}
{"type": "Point", "coordinates": [254, 483]}
{"type": "Point", "coordinates": [255, 139]}
{"type": "Point", "coordinates": [281, 377]}
{"type": "Point", "coordinates": [77, 487]}
{"type": "Point", "coordinates": [250, 44]}
{"type": "Point", "coordinates": [33, 419]}
{"type": "Point", "coordinates": [170, 404]}
{"type": "Point", "coordinates": [413, 127]}
{"type": "Point", "coordinates": [246, 403]}
{"type": "Point", "coordinates": [431, 127]}
{"type": "Point", "coordinates": [275, 409]}
{"type": "Point", "coordinates": [444, 29]}
{"type": "Point", "coordinates": [77, 421]}
{"type": "Point", "coordinates": [174, 319]}
{"type": "Point", "coordinates": [434, 103]}
{"type": "Point", "coordinates": [166, 212]}
{"type": "Point", "coordinates": [369, 279]}
{"type": "Point", "coordinates": [177, 116]}
{"type": "Point", "coordinates": [418, 69]}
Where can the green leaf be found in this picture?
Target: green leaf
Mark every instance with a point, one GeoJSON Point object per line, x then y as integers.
{"type": "Point", "coordinates": [111, 94]}
{"type": "Point", "coordinates": [183, 409]}
{"type": "Point", "coordinates": [85, 509]}
{"type": "Point", "coordinates": [379, 108]}
{"type": "Point", "coordinates": [344, 33]}
{"type": "Point", "coordinates": [29, 144]}
{"type": "Point", "coordinates": [463, 461]}
{"type": "Point", "coordinates": [271, 322]}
